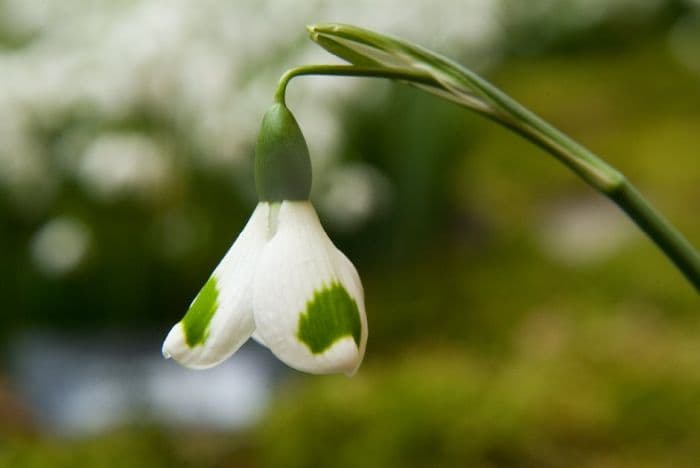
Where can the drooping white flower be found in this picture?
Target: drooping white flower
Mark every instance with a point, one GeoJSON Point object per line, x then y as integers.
{"type": "Point", "coordinates": [282, 281]}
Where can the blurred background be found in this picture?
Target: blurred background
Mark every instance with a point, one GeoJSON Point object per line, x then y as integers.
{"type": "Point", "coordinates": [516, 317]}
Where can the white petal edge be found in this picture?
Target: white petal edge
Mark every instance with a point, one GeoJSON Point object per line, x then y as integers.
{"type": "Point", "coordinates": [258, 339]}
{"type": "Point", "coordinates": [232, 322]}
{"type": "Point", "coordinates": [299, 260]}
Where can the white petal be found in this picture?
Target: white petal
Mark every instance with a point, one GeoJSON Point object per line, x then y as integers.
{"type": "Point", "coordinates": [213, 338]}
{"type": "Point", "coordinates": [301, 277]}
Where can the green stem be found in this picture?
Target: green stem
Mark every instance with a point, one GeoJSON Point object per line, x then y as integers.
{"type": "Point", "coordinates": [509, 113]}
{"type": "Point", "coordinates": [351, 70]}
{"type": "Point", "coordinates": [662, 232]}
{"type": "Point", "coordinates": [596, 172]}
{"type": "Point", "coordinates": [617, 188]}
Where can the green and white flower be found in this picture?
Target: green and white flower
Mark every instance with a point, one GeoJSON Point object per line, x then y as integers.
{"type": "Point", "coordinates": [283, 282]}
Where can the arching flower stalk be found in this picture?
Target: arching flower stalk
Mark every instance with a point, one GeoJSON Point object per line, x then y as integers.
{"type": "Point", "coordinates": [373, 54]}
{"type": "Point", "coordinates": [283, 282]}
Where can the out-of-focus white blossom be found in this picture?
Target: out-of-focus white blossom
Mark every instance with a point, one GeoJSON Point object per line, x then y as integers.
{"type": "Point", "coordinates": [584, 232]}
{"type": "Point", "coordinates": [60, 245]}
{"type": "Point", "coordinates": [118, 165]}
{"type": "Point", "coordinates": [352, 194]}
{"type": "Point", "coordinates": [207, 69]}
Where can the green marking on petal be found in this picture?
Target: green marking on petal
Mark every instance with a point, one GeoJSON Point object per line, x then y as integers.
{"type": "Point", "coordinates": [198, 316]}
{"type": "Point", "coordinates": [330, 315]}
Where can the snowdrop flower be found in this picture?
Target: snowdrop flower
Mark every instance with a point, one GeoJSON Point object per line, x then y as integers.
{"type": "Point", "coordinates": [283, 282]}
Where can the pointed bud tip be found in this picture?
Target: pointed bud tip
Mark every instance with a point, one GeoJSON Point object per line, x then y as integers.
{"type": "Point", "coordinates": [323, 28]}
{"type": "Point", "coordinates": [316, 27]}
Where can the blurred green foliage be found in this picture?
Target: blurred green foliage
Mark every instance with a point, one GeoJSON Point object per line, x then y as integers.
{"type": "Point", "coordinates": [133, 447]}
{"type": "Point", "coordinates": [483, 350]}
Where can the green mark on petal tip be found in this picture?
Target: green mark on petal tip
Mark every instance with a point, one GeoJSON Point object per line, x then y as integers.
{"type": "Point", "coordinates": [198, 316]}
{"type": "Point", "coordinates": [330, 315]}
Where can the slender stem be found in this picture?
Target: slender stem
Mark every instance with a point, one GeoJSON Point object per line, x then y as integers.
{"type": "Point", "coordinates": [625, 195]}
{"type": "Point", "coordinates": [672, 242]}
{"type": "Point", "coordinates": [351, 70]}
{"type": "Point", "coordinates": [596, 172]}
{"type": "Point", "coordinates": [512, 115]}
{"type": "Point", "coordinates": [587, 165]}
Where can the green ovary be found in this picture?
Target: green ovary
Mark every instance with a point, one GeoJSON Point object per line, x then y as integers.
{"type": "Point", "coordinates": [330, 315]}
{"type": "Point", "coordinates": [196, 320]}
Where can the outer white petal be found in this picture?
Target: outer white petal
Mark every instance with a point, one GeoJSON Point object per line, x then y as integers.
{"type": "Point", "coordinates": [232, 322]}
{"type": "Point", "coordinates": [299, 261]}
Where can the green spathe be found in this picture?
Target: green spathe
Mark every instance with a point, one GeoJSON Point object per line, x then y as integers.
{"type": "Point", "coordinates": [196, 320]}
{"type": "Point", "coordinates": [330, 315]}
{"type": "Point", "coordinates": [282, 162]}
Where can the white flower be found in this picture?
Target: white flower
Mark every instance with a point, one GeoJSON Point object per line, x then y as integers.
{"type": "Point", "coordinates": [284, 282]}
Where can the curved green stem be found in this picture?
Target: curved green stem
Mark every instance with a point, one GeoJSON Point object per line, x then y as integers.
{"type": "Point", "coordinates": [499, 107]}
{"type": "Point", "coordinates": [351, 70]}
{"type": "Point", "coordinates": [617, 188]}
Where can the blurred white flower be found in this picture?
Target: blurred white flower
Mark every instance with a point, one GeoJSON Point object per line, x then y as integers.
{"type": "Point", "coordinates": [583, 232]}
{"type": "Point", "coordinates": [115, 165]}
{"type": "Point", "coordinates": [353, 194]}
{"type": "Point", "coordinates": [60, 245]}
{"type": "Point", "coordinates": [202, 70]}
